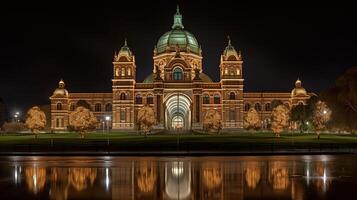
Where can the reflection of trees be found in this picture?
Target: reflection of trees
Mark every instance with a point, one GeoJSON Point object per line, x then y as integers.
{"type": "Point", "coordinates": [80, 178]}
{"type": "Point", "coordinates": [59, 184]}
{"type": "Point", "coordinates": [146, 176]}
{"type": "Point", "coordinates": [35, 178]}
{"type": "Point", "coordinates": [278, 175]}
{"type": "Point", "coordinates": [321, 182]}
{"type": "Point", "coordinates": [212, 175]}
{"type": "Point", "coordinates": [252, 174]}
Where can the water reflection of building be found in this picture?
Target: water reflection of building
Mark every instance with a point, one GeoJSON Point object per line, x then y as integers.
{"type": "Point", "coordinates": [180, 179]}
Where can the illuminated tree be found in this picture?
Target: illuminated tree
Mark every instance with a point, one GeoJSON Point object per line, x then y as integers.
{"type": "Point", "coordinates": [321, 116]}
{"type": "Point", "coordinates": [279, 119]}
{"type": "Point", "coordinates": [82, 120]}
{"type": "Point", "coordinates": [35, 119]}
{"type": "Point", "coordinates": [252, 120]}
{"type": "Point", "coordinates": [146, 118]}
{"type": "Point", "coordinates": [212, 121]}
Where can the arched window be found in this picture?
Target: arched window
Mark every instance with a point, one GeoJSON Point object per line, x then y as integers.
{"type": "Point", "coordinates": [258, 107]}
{"type": "Point", "coordinates": [246, 107]}
{"type": "Point", "coordinates": [138, 99]}
{"type": "Point", "coordinates": [108, 107]}
{"type": "Point", "coordinates": [177, 74]}
{"type": "Point", "coordinates": [72, 107]}
{"type": "Point", "coordinates": [149, 99]}
{"type": "Point", "coordinates": [205, 99]}
{"type": "Point", "coordinates": [123, 71]}
{"type": "Point", "coordinates": [122, 96]}
{"type": "Point", "coordinates": [267, 107]}
{"type": "Point", "coordinates": [226, 71]}
{"type": "Point", "coordinates": [232, 96]}
{"type": "Point", "coordinates": [59, 106]}
{"type": "Point", "coordinates": [97, 107]}
{"type": "Point", "coordinates": [232, 115]}
{"type": "Point", "coordinates": [129, 71]}
{"type": "Point", "coordinates": [217, 99]}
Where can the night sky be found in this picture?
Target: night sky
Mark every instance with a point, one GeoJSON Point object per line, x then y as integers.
{"type": "Point", "coordinates": [39, 44]}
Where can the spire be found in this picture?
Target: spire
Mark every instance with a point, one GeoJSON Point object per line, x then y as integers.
{"type": "Point", "coordinates": [125, 43]}
{"type": "Point", "coordinates": [229, 40]}
{"type": "Point", "coordinates": [177, 19]}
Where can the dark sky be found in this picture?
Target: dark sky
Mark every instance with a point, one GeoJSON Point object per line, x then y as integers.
{"type": "Point", "coordinates": [40, 44]}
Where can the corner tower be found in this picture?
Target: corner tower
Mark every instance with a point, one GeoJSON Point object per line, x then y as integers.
{"type": "Point", "coordinates": [231, 75]}
{"type": "Point", "coordinates": [124, 72]}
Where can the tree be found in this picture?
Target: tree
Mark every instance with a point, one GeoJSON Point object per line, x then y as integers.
{"type": "Point", "coordinates": [301, 114]}
{"type": "Point", "coordinates": [82, 120]}
{"type": "Point", "coordinates": [342, 100]}
{"type": "Point", "coordinates": [321, 116]}
{"type": "Point", "coordinates": [47, 110]}
{"type": "Point", "coordinates": [279, 119]}
{"type": "Point", "coordinates": [212, 121]}
{"type": "Point", "coordinates": [35, 120]}
{"type": "Point", "coordinates": [146, 119]}
{"type": "Point", "coordinates": [252, 120]}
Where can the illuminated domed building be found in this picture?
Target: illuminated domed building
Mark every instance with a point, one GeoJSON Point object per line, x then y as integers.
{"type": "Point", "coordinates": [178, 89]}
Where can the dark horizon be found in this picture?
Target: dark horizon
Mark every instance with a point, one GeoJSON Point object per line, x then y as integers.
{"type": "Point", "coordinates": [42, 45]}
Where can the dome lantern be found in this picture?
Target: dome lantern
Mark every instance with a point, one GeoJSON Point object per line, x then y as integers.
{"type": "Point", "coordinates": [177, 36]}
{"type": "Point", "coordinates": [177, 20]}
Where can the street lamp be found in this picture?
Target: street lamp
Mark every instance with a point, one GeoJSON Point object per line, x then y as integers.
{"type": "Point", "coordinates": [324, 112]}
{"type": "Point", "coordinates": [107, 118]}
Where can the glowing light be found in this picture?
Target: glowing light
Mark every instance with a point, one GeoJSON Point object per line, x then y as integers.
{"type": "Point", "coordinates": [107, 180]}
{"type": "Point", "coordinates": [15, 174]}
{"type": "Point", "coordinates": [107, 118]}
{"type": "Point", "coordinates": [177, 170]}
{"type": "Point", "coordinates": [308, 174]}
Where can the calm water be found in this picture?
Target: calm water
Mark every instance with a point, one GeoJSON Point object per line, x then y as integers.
{"type": "Point", "coordinates": [251, 177]}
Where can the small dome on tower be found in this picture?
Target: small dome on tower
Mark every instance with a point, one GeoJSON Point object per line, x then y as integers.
{"type": "Point", "coordinates": [298, 90]}
{"type": "Point", "coordinates": [124, 52]}
{"type": "Point", "coordinates": [60, 91]}
{"type": "Point", "coordinates": [230, 52]}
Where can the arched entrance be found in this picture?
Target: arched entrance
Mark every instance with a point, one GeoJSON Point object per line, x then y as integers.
{"type": "Point", "coordinates": [178, 112]}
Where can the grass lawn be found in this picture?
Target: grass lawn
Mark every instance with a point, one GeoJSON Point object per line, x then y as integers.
{"type": "Point", "coordinates": [116, 137]}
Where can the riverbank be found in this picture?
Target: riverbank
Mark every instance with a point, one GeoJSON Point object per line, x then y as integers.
{"type": "Point", "coordinates": [128, 144]}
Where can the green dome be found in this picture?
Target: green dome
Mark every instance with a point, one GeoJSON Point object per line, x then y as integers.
{"type": "Point", "coordinates": [177, 37]}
